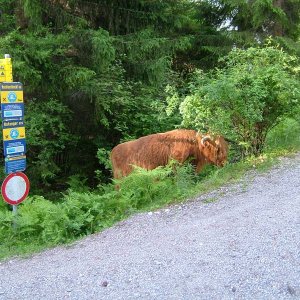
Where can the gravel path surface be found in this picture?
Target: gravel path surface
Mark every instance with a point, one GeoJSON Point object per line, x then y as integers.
{"type": "Point", "coordinates": [244, 245]}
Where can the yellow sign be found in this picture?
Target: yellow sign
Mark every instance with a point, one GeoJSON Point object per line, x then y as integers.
{"type": "Point", "coordinates": [6, 70]}
{"type": "Point", "coordinates": [11, 134]}
{"type": "Point", "coordinates": [12, 97]}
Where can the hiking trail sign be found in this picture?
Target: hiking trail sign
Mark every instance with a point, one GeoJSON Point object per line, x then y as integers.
{"type": "Point", "coordinates": [15, 186]}
{"type": "Point", "coordinates": [12, 114]}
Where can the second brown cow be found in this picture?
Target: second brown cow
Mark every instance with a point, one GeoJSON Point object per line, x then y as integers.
{"type": "Point", "coordinates": [155, 150]}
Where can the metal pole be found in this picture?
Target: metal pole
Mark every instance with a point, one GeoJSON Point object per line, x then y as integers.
{"type": "Point", "coordinates": [15, 211]}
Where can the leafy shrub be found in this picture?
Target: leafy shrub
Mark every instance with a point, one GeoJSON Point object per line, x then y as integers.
{"type": "Point", "coordinates": [142, 187]}
{"type": "Point", "coordinates": [244, 100]}
{"type": "Point", "coordinates": [78, 183]}
{"type": "Point", "coordinates": [160, 186]}
{"type": "Point", "coordinates": [42, 219]}
{"type": "Point", "coordinates": [6, 221]}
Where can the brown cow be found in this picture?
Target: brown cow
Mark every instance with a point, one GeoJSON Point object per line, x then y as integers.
{"type": "Point", "coordinates": [155, 150]}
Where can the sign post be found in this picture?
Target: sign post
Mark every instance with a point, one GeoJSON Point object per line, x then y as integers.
{"type": "Point", "coordinates": [14, 190]}
{"type": "Point", "coordinates": [15, 186]}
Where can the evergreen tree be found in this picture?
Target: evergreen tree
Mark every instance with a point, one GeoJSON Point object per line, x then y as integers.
{"type": "Point", "coordinates": [99, 67]}
{"type": "Point", "coordinates": [252, 22]}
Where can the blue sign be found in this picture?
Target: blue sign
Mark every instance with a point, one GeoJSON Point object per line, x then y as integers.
{"type": "Point", "coordinates": [11, 86]}
{"type": "Point", "coordinates": [13, 128]}
{"type": "Point", "coordinates": [12, 124]}
{"type": "Point", "coordinates": [12, 97]}
{"type": "Point", "coordinates": [13, 148]}
{"type": "Point", "coordinates": [11, 111]}
{"type": "Point", "coordinates": [15, 164]}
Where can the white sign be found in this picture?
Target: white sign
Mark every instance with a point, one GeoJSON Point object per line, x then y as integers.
{"type": "Point", "coordinates": [15, 188]}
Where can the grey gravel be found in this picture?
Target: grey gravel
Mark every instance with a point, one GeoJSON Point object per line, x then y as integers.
{"type": "Point", "coordinates": [239, 242]}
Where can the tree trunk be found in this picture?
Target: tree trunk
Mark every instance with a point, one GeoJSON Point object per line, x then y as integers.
{"type": "Point", "coordinates": [258, 142]}
{"type": "Point", "coordinates": [278, 27]}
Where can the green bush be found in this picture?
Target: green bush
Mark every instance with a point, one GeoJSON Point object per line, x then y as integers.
{"type": "Point", "coordinates": [145, 189]}
{"type": "Point", "coordinates": [256, 89]}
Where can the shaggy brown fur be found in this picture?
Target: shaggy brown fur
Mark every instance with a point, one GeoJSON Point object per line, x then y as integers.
{"type": "Point", "coordinates": [155, 150]}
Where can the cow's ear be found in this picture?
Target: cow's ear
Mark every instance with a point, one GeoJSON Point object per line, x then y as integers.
{"type": "Point", "coordinates": [206, 144]}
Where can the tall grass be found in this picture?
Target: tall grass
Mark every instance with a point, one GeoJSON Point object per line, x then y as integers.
{"type": "Point", "coordinates": [41, 223]}
{"type": "Point", "coordinates": [284, 137]}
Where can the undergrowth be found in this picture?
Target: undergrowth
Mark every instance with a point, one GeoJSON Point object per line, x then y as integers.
{"type": "Point", "coordinates": [41, 223]}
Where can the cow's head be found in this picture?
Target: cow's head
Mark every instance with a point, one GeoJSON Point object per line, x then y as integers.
{"type": "Point", "coordinates": [214, 149]}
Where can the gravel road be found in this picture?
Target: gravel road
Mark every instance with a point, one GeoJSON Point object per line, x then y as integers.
{"type": "Point", "coordinates": [243, 245]}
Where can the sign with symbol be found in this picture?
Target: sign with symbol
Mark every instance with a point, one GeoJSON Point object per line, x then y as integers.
{"type": "Point", "coordinates": [6, 69]}
{"type": "Point", "coordinates": [13, 133]}
{"type": "Point", "coordinates": [11, 92]}
{"type": "Point", "coordinates": [12, 97]}
{"type": "Point", "coordinates": [15, 188]}
{"type": "Point", "coordinates": [9, 97]}
{"type": "Point", "coordinates": [14, 142]}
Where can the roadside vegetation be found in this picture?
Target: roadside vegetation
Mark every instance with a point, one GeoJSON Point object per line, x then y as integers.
{"type": "Point", "coordinates": [43, 223]}
{"type": "Point", "coordinates": [97, 73]}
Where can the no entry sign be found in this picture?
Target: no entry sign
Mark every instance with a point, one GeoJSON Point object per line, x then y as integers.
{"type": "Point", "coordinates": [15, 188]}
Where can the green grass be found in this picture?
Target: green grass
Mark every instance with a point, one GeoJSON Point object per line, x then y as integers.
{"type": "Point", "coordinates": [285, 137]}
{"type": "Point", "coordinates": [42, 223]}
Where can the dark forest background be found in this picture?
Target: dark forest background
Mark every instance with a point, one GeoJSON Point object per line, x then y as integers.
{"type": "Point", "coordinates": [97, 73]}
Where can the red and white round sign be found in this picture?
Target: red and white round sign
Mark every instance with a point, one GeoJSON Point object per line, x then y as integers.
{"type": "Point", "coordinates": [15, 188]}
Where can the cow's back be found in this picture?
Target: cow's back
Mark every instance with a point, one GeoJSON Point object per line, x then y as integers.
{"type": "Point", "coordinates": [152, 151]}
{"type": "Point", "coordinates": [146, 152]}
